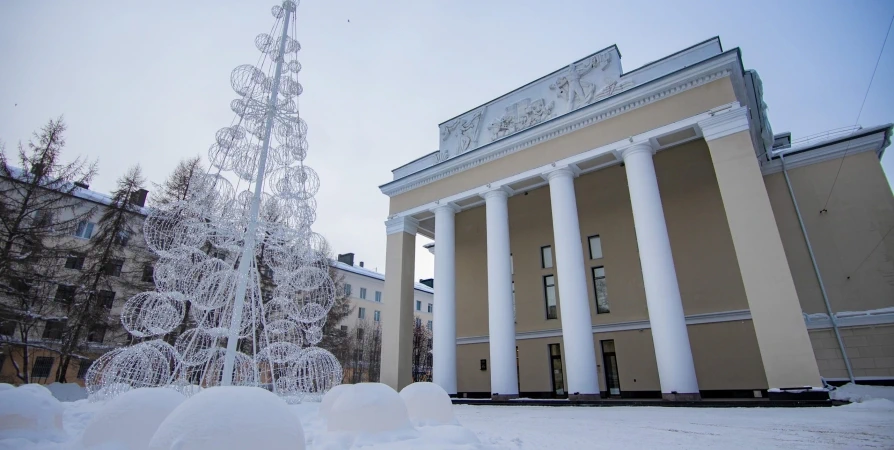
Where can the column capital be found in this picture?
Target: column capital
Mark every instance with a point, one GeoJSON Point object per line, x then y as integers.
{"type": "Point", "coordinates": [499, 192]}
{"type": "Point", "coordinates": [560, 172]}
{"type": "Point", "coordinates": [639, 147]}
{"type": "Point", "coordinates": [402, 224]}
{"type": "Point", "coordinates": [447, 206]}
{"type": "Point", "coordinates": [724, 123]}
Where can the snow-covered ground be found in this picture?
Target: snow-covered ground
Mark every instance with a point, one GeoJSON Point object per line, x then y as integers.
{"type": "Point", "coordinates": [867, 424]}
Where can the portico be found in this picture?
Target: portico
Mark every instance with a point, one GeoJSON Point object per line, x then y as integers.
{"type": "Point", "coordinates": [494, 327]}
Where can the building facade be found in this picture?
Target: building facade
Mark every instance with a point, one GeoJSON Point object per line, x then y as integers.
{"type": "Point", "coordinates": [602, 233]}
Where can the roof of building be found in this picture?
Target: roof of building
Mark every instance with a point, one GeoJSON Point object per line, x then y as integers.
{"type": "Point", "coordinates": [373, 274]}
{"type": "Point", "coordinates": [77, 191]}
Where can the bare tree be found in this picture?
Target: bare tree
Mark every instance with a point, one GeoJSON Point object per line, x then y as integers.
{"type": "Point", "coordinates": [364, 360]}
{"type": "Point", "coordinates": [105, 273]}
{"type": "Point", "coordinates": [176, 186]}
{"type": "Point", "coordinates": [37, 207]}
{"type": "Point", "coordinates": [422, 351]}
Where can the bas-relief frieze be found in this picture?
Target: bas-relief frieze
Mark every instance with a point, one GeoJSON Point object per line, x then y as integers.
{"type": "Point", "coordinates": [580, 84]}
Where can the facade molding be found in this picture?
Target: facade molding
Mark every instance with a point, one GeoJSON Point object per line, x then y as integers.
{"type": "Point", "coordinates": [402, 224]}
{"type": "Point", "coordinates": [639, 147]}
{"type": "Point", "coordinates": [635, 98]}
{"type": "Point", "coordinates": [724, 123]}
{"type": "Point", "coordinates": [851, 321]}
{"type": "Point", "coordinates": [694, 319]}
{"type": "Point", "coordinates": [875, 141]}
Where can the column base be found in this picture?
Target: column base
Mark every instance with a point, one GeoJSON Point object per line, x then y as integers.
{"type": "Point", "coordinates": [584, 397]}
{"type": "Point", "coordinates": [681, 397]}
{"type": "Point", "coordinates": [502, 397]}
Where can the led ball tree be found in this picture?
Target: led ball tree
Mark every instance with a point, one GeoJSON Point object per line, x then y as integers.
{"type": "Point", "coordinates": [251, 214]}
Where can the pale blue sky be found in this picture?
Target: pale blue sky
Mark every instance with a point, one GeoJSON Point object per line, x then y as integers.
{"type": "Point", "coordinates": [148, 82]}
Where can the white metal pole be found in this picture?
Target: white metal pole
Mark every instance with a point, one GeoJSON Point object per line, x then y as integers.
{"type": "Point", "coordinates": [248, 249]}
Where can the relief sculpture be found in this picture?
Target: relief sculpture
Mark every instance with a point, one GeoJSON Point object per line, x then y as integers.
{"type": "Point", "coordinates": [577, 91]}
{"type": "Point", "coordinates": [519, 116]}
{"type": "Point", "coordinates": [467, 133]}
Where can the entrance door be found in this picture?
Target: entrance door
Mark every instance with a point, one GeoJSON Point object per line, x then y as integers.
{"type": "Point", "coordinates": [610, 363]}
{"type": "Point", "coordinates": [555, 364]}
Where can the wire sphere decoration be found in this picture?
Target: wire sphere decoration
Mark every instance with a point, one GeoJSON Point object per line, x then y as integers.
{"type": "Point", "coordinates": [242, 283]}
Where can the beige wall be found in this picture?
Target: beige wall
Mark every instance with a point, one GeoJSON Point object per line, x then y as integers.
{"type": "Point", "coordinates": [703, 252]}
{"type": "Point", "coordinates": [726, 357]}
{"type": "Point", "coordinates": [860, 212]}
{"type": "Point", "coordinates": [646, 118]}
{"type": "Point", "coordinates": [870, 350]}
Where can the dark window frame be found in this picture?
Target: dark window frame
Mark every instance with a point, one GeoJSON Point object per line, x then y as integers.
{"type": "Point", "coordinates": [75, 261]}
{"type": "Point", "coordinates": [546, 296]}
{"type": "Point", "coordinates": [65, 294]}
{"type": "Point", "coordinates": [45, 365]}
{"type": "Point", "coordinates": [590, 246]}
{"type": "Point", "coordinates": [552, 257]}
{"type": "Point", "coordinates": [596, 289]}
{"type": "Point", "coordinates": [50, 332]}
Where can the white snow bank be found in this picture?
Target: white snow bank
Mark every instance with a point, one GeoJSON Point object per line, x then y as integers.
{"type": "Point", "coordinates": [230, 418]}
{"type": "Point", "coordinates": [859, 393]}
{"type": "Point", "coordinates": [30, 412]}
{"type": "Point", "coordinates": [368, 407]}
{"type": "Point", "coordinates": [428, 404]}
{"type": "Point", "coordinates": [128, 421]}
{"type": "Point", "coordinates": [881, 404]}
{"type": "Point", "coordinates": [330, 398]}
{"type": "Point", "coordinates": [67, 392]}
{"type": "Point", "coordinates": [6, 386]}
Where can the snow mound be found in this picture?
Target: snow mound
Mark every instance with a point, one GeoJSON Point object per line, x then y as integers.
{"type": "Point", "coordinates": [67, 392]}
{"type": "Point", "coordinates": [330, 398]}
{"type": "Point", "coordinates": [30, 412]}
{"type": "Point", "coordinates": [428, 404]}
{"type": "Point", "coordinates": [859, 393]}
{"type": "Point", "coordinates": [369, 408]}
{"type": "Point", "coordinates": [230, 418]}
{"type": "Point", "coordinates": [6, 386]}
{"type": "Point", "coordinates": [128, 421]}
{"type": "Point", "coordinates": [881, 404]}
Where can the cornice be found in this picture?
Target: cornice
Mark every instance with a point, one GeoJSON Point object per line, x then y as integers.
{"type": "Point", "coordinates": [684, 80]}
{"type": "Point", "coordinates": [401, 224]}
{"type": "Point", "coordinates": [724, 123]}
{"type": "Point", "coordinates": [875, 141]}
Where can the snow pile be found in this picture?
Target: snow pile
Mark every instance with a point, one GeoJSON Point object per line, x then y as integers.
{"type": "Point", "coordinates": [428, 404]}
{"type": "Point", "coordinates": [330, 398]}
{"type": "Point", "coordinates": [67, 392]}
{"type": "Point", "coordinates": [230, 418]}
{"type": "Point", "coordinates": [6, 386]}
{"type": "Point", "coordinates": [366, 414]}
{"type": "Point", "coordinates": [129, 421]}
{"type": "Point", "coordinates": [30, 412]}
{"type": "Point", "coordinates": [876, 397]}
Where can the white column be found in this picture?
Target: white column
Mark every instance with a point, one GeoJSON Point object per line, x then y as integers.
{"type": "Point", "coordinates": [501, 323]}
{"type": "Point", "coordinates": [672, 352]}
{"type": "Point", "coordinates": [444, 342]}
{"type": "Point", "coordinates": [577, 328]}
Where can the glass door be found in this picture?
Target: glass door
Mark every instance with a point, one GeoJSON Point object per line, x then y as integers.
{"type": "Point", "coordinates": [610, 363]}
{"type": "Point", "coordinates": [558, 376]}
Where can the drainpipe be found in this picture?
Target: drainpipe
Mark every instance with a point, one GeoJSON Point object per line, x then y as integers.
{"type": "Point", "coordinates": [819, 278]}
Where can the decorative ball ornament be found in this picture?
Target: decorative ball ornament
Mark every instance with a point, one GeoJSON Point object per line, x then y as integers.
{"type": "Point", "coordinates": [244, 264]}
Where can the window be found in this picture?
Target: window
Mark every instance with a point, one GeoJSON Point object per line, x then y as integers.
{"type": "Point", "coordinates": [511, 265]}
{"type": "Point", "coordinates": [359, 334]}
{"type": "Point", "coordinates": [418, 305]}
{"type": "Point", "coordinates": [65, 294]}
{"type": "Point", "coordinates": [361, 312]}
{"type": "Point", "coordinates": [549, 292]}
{"type": "Point", "coordinates": [53, 329]}
{"type": "Point", "coordinates": [148, 274]}
{"type": "Point", "coordinates": [429, 325]}
{"type": "Point", "coordinates": [122, 238]}
{"type": "Point", "coordinates": [347, 290]}
{"type": "Point", "coordinates": [546, 257]}
{"type": "Point", "coordinates": [418, 322]}
{"type": "Point", "coordinates": [600, 289]}
{"type": "Point", "coordinates": [83, 367]}
{"type": "Point", "coordinates": [43, 218]}
{"type": "Point", "coordinates": [113, 267]}
{"type": "Point", "coordinates": [595, 247]}
{"type": "Point", "coordinates": [97, 333]}
{"type": "Point", "coordinates": [20, 285]}
{"type": "Point", "coordinates": [379, 296]}
{"type": "Point", "coordinates": [106, 299]}
{"type": "Point", "coordinates": [430, 307]}
{"type": "Point", "coordinates": [84, 229]}
{"type": "Point", "coordinates": [344, 328]}
{"type": "Point", "coordinates": [7, 328]}
{"type": "Point", "coordinates": [377, 316]}
{"type": "Point", "coordinates": [43, 365]}
{"type": "Point", "coordinates": [75, 261]}
{"type": "Point", "coordinates": [363, 293]}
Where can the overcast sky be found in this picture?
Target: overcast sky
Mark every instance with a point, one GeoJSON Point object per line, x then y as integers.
{"type": "Point", "coordinates": [148, 82]}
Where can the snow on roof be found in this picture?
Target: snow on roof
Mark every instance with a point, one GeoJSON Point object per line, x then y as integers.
{"type": "Point", "coordinates": [373, 274]}
{"type": "Point", "coordinates": [77, 191]}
